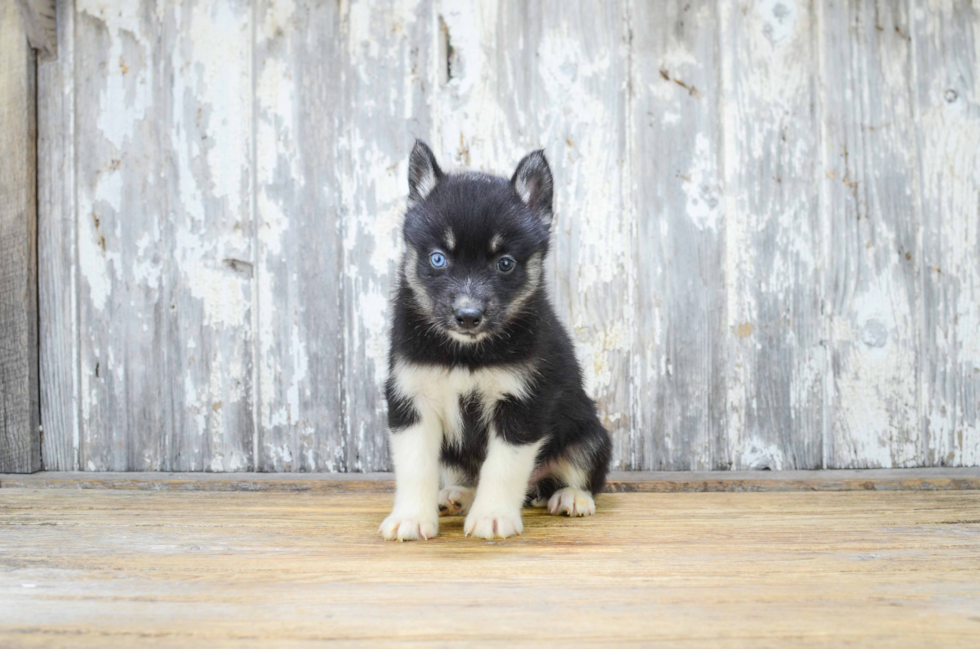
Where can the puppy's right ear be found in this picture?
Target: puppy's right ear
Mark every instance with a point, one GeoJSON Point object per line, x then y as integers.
{"type": "Point", "coordinates": [423, 173]}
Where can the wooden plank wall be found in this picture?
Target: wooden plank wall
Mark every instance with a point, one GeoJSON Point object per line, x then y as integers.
{"type": "Point", "coordinates": [767, 243]}
{"type": "Point", "coordinates": [20, 447]}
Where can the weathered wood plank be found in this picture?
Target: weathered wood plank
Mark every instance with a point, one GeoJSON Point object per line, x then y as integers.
{"type": "Point", "coordinates": [554, 75]}
{"type": "Point", "coordinates": [299, 262]}
{"type": "Point", "coordinates": [20, 447]}
{"type": "Point", "coordinates": [209, 151]}
{"type": "Point", "coordinates": [124, 395]}
{"type": "Point", "coordinates": [390, 74]}
{"type": "Point", "coordinates": [943, 479]}
{"type": "Point", "coordinates": [57, 265]}
{"type": "Point", "coordinates": [859, 569]}
{"type": "Point", "coordinates": [775, 372]}
{"type": "Point", "coordinates": [947, 105]}
{"type": "Point", "coordinates": [164, 224]}
{"type": "Point", "coordinates": [679, 332]}
{"type": "Point", "coordinates": [869, 193]}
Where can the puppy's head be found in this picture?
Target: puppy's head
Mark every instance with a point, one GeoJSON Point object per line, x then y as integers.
{"type": "Point", "coordinates": [475, 243]}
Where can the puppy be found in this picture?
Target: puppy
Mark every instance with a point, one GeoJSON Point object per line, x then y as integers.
{"type": "Point", "coordinates": [485, 396]}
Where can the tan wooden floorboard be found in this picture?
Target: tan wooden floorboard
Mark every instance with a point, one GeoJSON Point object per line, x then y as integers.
{"type": "Point", "coordinates": [106, 568]}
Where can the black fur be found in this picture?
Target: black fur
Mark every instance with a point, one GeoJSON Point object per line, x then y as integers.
{"type": "Point", "coordinates": [519, 324]}
{"type": "Point", "coordinates": [401, 412]}
{"type": "Point", "coordinates": [468, 457]}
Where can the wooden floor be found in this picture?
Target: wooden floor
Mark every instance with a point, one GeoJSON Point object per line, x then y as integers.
{"type": "Point", "coordinates": [106, 568]}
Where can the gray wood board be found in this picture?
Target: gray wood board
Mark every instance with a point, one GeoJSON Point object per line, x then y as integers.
{"type": "Point", "coordinates": [20, 447]}
{"type": "Point", "coordinates": [299, 262]}
{"type": "Point", "coordinates": [766, 245]}
{"type": "Point", "coordinates": [946, 101]}
{"type": "Point", "coordinates": [869, 185]}
{"type": "Point", "coordinates": [163, 186]}
{"type": "Point", "coordinates": [677, 178]}
{"type": "Point", "coordinates": [774, 376]}
{"type": "Point", "coordinates": [57, 248]}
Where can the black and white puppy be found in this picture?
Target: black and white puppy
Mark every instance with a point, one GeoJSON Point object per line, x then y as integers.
{"type": "Point", "coordinates": [485, 396]}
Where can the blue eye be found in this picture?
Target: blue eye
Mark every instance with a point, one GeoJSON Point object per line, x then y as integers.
{"type": "Point", "coordinates": [506, 264]}
{"type": "Point", "coordinates": [437, 259]}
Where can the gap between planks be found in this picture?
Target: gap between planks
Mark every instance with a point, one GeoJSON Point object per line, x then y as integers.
{"type": "Point", "coordinates": [927, 479]}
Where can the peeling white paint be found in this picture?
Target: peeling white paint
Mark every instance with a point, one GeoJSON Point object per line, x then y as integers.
{"type": "Point", "coordinates": [757, 454]}
{"type": "Point", "coordinates": [704, 201]}
{"type": "Point", "coordinates": [876, 389]}
{"type": "Point", "coordinates": [278, 18]}
{"type": "Point", "coordinates": [951, 178]}
{"type": "Point", "coordinates": [93, 267]}
{"type": "Point", "coordinates": [222, 293]}
{"type": "Point", "coordinates": [219, 32]}
{"type": "Point", "coordinates": [126, 98]}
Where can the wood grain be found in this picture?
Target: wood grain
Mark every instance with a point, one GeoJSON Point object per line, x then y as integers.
{"type": "Point", "coordinates": [20, 445]}
{"type": "Point", "coordinates": [680, 336]}
{"type": "Point", "coordinates": [208, 60]}
{"type": "Point", "coordinates": [163, 191]}
{"type": "Point", "coordinates": [775, 360]}
{"type": "Point", "coordinates": [57, 251]}
{"type": "Point", "coordinates": [110, 568]}
{"type": "Point", "coordinates": [298, 99]}
{"type": "Point", "coordinates": [869, 187]}
{"type": "Point", "coordinates": [117, 205]}
{"type": "Point", "coordinates": [947, 109]}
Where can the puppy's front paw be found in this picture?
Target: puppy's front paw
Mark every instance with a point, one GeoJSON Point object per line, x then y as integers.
{"type": "Point", "coordinates": [573, 502]}
{"type": "Point", "coordinates": [491, 524]}
{"type": "Point", "coordinates": [455, 500]}
{"type": "Point", "coordinates": [408, 528]}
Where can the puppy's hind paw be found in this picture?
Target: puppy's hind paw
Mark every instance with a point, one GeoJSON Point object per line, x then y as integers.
{"type": "Point", "coordinates": [571, 501]}
{"type": "Point", "coordinates": [454, 501]}
{"type": "Point", "coordinates": [408, 528]}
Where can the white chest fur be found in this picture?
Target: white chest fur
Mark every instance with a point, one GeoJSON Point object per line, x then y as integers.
{"type": "Point", "coordinates": [435, 391]}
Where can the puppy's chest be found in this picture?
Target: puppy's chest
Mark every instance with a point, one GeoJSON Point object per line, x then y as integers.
{"type": "Point", "coordinates": [455, 395]}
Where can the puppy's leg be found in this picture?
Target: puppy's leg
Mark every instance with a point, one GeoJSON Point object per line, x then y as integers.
{"type": "Point", "coordinates": [582, 471]}
{"type": "Point", "coordinates": [500, 494]}
{"type": "Point", "coordinates": [454, 498]}
{"type": "Point", "coordinates": [415, 454]}
{"type": "Point", "coordinates": [574, 499]}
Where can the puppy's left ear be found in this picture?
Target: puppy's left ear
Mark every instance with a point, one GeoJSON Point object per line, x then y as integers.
{"type": "Point", "coordinates": [423, 173]}
{"type": "Point", "coordinates": [534, 185]}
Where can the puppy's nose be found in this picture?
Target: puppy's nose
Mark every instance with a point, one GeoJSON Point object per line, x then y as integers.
{"type": "Point", "coordinates": [469, 317]}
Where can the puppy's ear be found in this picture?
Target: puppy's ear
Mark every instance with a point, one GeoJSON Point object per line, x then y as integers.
{"type": "Point", "coordinates": [533, 183]}
{"type": "Point", "coordinates": [423, 173]}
